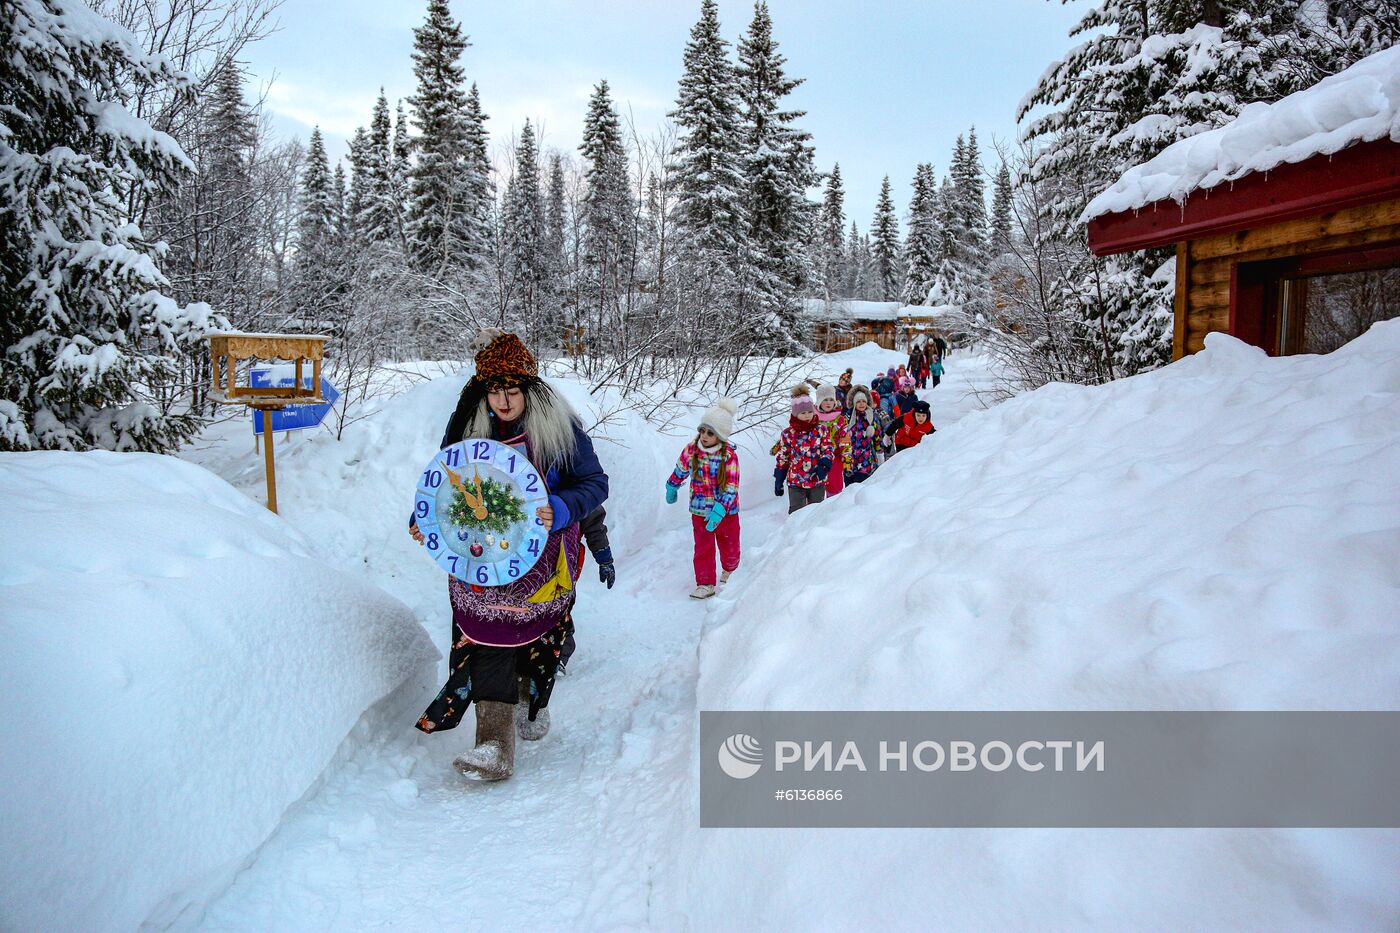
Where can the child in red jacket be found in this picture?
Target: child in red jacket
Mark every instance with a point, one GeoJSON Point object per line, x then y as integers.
{"type": "Point", "coordinates": [911, 428]}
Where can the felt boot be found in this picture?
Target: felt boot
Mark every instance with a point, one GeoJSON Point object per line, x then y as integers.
{"type": "Point", "coordinates": [493, 758]}
{"type": "Point", "coordinates": [527, 730]}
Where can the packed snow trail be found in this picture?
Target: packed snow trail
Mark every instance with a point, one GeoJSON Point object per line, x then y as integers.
{"type": "Point", "coordinates": [583, 834]}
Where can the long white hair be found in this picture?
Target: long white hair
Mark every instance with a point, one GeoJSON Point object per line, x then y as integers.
{"type": "Point", "coordinates": [549, 421]}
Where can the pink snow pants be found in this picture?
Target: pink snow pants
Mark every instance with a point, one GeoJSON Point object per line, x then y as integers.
{"type": "Point", "coordinates": [835, 479]}
{"type": "Point", "coordinates": [726, 535]}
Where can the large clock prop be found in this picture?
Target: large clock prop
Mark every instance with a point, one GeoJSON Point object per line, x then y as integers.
{"type": "Point", "coordinates": [476, 507]}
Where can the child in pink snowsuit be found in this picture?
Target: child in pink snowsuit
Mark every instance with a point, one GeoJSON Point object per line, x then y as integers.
{"type": "Point", "coordinates": [713, 468]}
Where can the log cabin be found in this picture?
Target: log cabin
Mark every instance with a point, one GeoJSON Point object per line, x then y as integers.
{"type": "Point", "coordinates": [1272, 214]}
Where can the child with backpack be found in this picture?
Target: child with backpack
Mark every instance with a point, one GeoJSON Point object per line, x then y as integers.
{"type": "Point", "coordinates": [712, 466]}
{"type": "Point", "coordinates": [830, 415]}
{"type": "Point", "coordinates": [804, 454]}
{"type": "Point", "coordinates": [885, 388]}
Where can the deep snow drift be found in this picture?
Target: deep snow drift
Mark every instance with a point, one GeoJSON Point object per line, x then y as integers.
{"type": "Point", "coordinates": [178, 668]}
{"type": "Point", "coordinates": [1220, 534]}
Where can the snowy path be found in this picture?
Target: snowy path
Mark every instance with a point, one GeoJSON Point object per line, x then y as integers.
{"type": "Point", "coordinates": [395, 837]}
{"type": "Point", "coordinates": [582, 835]}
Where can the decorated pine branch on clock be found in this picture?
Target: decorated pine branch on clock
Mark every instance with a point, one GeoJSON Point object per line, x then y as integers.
{"type": "Point", "coordinates": [485, 507]}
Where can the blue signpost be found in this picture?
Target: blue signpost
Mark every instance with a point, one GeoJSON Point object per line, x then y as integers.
{"type": "Point", "coordinates": [293, 417]}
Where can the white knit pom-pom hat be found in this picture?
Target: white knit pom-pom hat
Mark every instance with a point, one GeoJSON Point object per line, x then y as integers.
{"type": "Point", "coordinates": [720, 418]}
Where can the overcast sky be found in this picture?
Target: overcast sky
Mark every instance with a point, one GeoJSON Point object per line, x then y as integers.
{"type": "Point", "coordinates": [888, 84]}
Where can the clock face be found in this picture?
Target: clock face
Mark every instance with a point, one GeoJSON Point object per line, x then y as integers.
{"type": "Point", "coordinates": [476, 505]}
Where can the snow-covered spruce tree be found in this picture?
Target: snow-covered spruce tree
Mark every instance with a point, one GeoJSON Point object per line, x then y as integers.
{"type": "Point", "coordinates": [481, 190]}
{"type": "Point", "coordinates": [999, 227]}
{"type": "Point", "coordinates": [972, 195]}
{"type": "Point", "coordinates": [318, 281]}
{"type": "Point", "coordinates": [854, 264]}
{"type": "Point", "coordinates": [88, 333]}
{"type": "Point", "coordinates": [556, 226]}
{"type": "Point", "coordinates": [523, 239]}
{"type": "Point", "coordinates": [831, 228]}
{"type": "Point", "coordinates": [608, 214]}
{"type": "Point", "coordinates": [211, 218]}
{"type": "Point", "coordinates": [376, 218]}
{"type": "Point", "coordinates": [446, 223]}
{"type": "Point", "coordinates": [951, 271]}
{"type": "Point", "coordinates": [359, 187]}
{"type": "Point", "coordinates": [971, 235]}
{"type": "Point", "coordinates": [712, 223]}
{"type": "Point", "coordinates": [884, 245]}
{"type": "Point", "coordinates": [399, 177]}
{"type": "Point", "coordinates": [780, 168]}
{"type": "Point", "coordinates": [1148, 73]}
{"type": "Point", "coordinates": [921, 243]}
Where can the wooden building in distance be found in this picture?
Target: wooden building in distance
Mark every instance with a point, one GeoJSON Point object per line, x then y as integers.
{"type": "Point", "coordinates": [1286, 222]}
{"type": "Point", "coordinates": [842, 324]}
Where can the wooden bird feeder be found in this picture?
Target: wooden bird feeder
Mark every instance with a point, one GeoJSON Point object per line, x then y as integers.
{"type": "Point", "coordinates": [227, 349]}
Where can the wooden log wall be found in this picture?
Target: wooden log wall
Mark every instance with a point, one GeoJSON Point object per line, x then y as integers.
{"type": "Point", "coordinates": [1204, 266]}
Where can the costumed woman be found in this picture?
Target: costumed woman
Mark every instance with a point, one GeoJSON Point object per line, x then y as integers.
{"type": "Point", "coordinates": [506, 640]}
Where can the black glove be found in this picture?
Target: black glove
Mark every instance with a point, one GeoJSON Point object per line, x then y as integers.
{"type": "Point", "coordinates": [823, 468]}
{"type": "Point", "coordinates": [607, 573]}
{"type": "Point", "coordinates": [779, 479]}
{"type": "Point", "coordinates": [846, 475]}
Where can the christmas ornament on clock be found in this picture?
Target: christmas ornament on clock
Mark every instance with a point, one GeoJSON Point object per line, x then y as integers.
{"type": "Point", "coordinates": [475, 505]}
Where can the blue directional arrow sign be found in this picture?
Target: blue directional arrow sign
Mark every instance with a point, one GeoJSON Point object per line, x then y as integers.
{"type": "Point", "coordinates": [293, 417]}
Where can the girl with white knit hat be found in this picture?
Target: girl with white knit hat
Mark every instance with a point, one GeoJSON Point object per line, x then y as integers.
{"type": "Point", "coordinates": [712, 465]}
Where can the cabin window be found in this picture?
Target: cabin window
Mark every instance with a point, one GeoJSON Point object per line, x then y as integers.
{"type": "Point", "coordinates": [1319, 313]}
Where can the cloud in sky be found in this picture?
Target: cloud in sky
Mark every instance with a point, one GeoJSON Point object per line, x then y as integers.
{"type": "Point", "coordinates": [888, 84]}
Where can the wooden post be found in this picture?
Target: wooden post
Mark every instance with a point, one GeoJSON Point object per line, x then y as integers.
{"type": "Point", "coordinates": [268, 463]}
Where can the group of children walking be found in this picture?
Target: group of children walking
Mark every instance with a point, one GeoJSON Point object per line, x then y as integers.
{"type": "Point", "coordinates": [836, 435]}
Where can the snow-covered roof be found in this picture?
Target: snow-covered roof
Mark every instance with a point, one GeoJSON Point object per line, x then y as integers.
{"type": "Point", "coordinates": [844, 310]}
{"type": "Point", "coordinates": [850, 310]}
{"type": "Point", "coordinates": [1360, 104]}
{"type": "Point", "coordinates": [929, 312]}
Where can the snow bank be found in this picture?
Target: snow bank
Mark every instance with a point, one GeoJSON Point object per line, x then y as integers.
{"type": "Point", "coordinates": [1220, 534]}
{"type": "Point", "coordinates": [178, 669]}
{"type": "Point", "coordinates": [1360, 104]}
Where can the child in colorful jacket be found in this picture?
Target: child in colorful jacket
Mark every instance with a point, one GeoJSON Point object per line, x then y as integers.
{"type": "Point", "coordinates": [830, 415]}
{"type": "Point", "coordinates": [885, 388]}
{"type": "Point", "coordinates": [713, 468]}
{"type": "Point", "coordinates": [805, 454]}
{"type": "Point", "coordinates": [866, 433]}
{"type": "Point", "coordinates": [911, 428]}
{"type": "Point", "coordinates": [904, 399]}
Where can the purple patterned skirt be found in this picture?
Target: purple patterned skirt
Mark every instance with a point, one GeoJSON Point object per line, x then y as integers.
{"type": "Point", "coordinates": [504, 616]}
